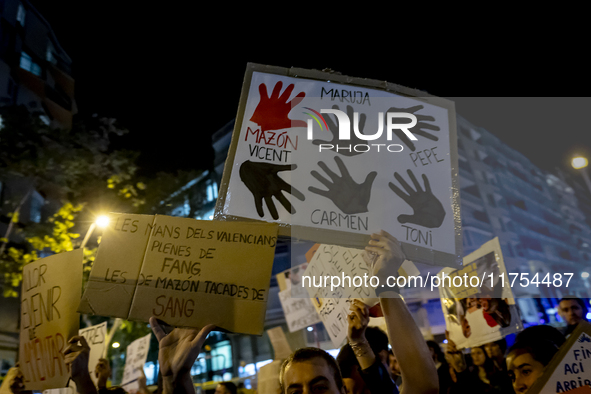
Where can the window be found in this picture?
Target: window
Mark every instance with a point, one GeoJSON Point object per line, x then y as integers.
{"type": "Point", "coordinates": [212, 191]}
{"type": "Point", "coordinates": [37, 202]}
{"type": "Point", "coordinates": [28, 64]}
{"type": "Point", "coordinates": [20, 14]}
{"type": "Point", "coordinates": [491, 200]}
{"type": "Point", "coordinates": [49, 54]}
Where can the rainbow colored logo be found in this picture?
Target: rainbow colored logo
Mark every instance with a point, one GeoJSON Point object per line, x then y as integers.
{"type": "Point", "coordinates": [316, 118]}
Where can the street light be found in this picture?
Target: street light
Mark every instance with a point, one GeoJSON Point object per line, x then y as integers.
{"type": "Point", "coordinates": [580, 163]}
{"type": "Point", "coordinates": [102, 221]}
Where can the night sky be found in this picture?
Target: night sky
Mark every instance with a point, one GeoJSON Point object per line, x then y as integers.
{"type": "Point", "coordinates": [173, 75]}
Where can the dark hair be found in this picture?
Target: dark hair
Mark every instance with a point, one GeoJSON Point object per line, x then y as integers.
{"type": "Point", "coordinates": [535, 334]}
{"type": "Point", "coordinates": [489, 365]}
{"type": "Point", "coordinates": [378, 339]}
{"type": "Point", "coordinates": [309, 353]}
{"type": "Point", "coordinates": [437, 349]}
{"type": "Point", "coordinates": [347, 361]}
{"type": "Point", "coordinates": [541, 342]}
{"type": "Point", "coordinates": [230, 386]}
{"type": "Point", "coordinates": [502, 344]}
{"type": "Point", "coordinates": [579, 301]}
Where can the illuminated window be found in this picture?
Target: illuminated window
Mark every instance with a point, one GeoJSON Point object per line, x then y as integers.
{"type": "Point", "coordinates": [27, 63]}
{"type": "Point", "coordinates": [20, 14]}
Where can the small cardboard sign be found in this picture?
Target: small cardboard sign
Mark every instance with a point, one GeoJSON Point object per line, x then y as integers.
{"type": "Point", "coordinates": [183, 271]}
{"type": "Point", "coordinates": [570, 368]}
{"type": "Point", "coordinates": [95, 337]}
{"type": "Point", "coordinates": [135, 358]}
{"type": "Point", "coordinates": [477, 300]}
{"type": "Point", "coordinates": [281, 348]}
{"type": "Point", "coordinates": [297, 306]}
{"type": "Point", "coordinates": [318, 153]}
{"type": "Point", "coordinates": [332, 302]}
{"type": "Point", "coordinates": [48, 318]}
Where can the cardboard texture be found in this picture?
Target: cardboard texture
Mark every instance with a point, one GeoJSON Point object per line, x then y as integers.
{"type": "Point", "coordinates": [333, 304]}
{"type": "Point", "coordinates": [189, 273]}
{"type": "Point", "coordinates": [570, 368]}
{"type": "Point", "coordinates": [95, 337]}
{"type": "Point", "coordinates": [136, 355]}
{"type": "Point", "coordinates": [277, 172]}
{"type": "Point", "coordinates": [479, 312]}
{"type": "Point", "coordinates": [49, 318]}
{"type": "Point", "coordinates": [281, 348]}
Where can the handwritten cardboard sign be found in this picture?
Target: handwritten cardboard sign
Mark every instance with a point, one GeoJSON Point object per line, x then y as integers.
{"type": "Point", "coordinates": [185, 272]}
{"type": "Point", "coordinates": [570, 368]}
{"type": "Point", "coordinates": [48, 318]}
{"type": "Point", "coordinates": [281, 348]}
{"type": "Point", "coordinates": [476, 311]}
{"type": "Point", "coordinates": [95, 337]}
{"type": "Point", "coordinates": [297, 306]}
{"type": "Point", "coordinates": [292, 162]}
{"type": "Point", "coordinates": [332, 302]}
{"type": "Point", "coordinates": [135, 358]}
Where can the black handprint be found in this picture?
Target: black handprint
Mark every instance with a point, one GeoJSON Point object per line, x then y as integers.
{"type": "Point", "coordinates": [349, 196]}
{"type": "Point", "coordinates": [264, 183]}
{"type": "Point", "coordinates": [419, 129]}
{"type": "Point", "coordinates": [428, 210]}
{"type": "Point", "coordinates": [334, 129]}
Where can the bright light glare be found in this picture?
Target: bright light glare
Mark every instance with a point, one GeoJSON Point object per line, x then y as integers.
{"type": "Point", "coordinates": [102, 221]}
{"type": "Point", "coordinates": [116, 345]}
{"type": "Point", "coordinates": [584, 275]}
{"type": "Point", "coordinates": [579, 162]}
{"type": "Point", "coordinates": [310, 329]}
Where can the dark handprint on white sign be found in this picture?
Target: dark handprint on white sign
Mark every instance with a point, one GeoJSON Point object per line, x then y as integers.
{"type": "Point", "coordinates": [349, 196]}
{"type": "Point", "coordinates": [264, 184]}
{"type": "Point", "coordinates": [420, 129]}
{"type": "Point", "coordinates": [427, 209]}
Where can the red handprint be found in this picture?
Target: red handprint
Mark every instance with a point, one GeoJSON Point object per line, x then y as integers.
{"type": "Point", "coordinates": [271, 113]}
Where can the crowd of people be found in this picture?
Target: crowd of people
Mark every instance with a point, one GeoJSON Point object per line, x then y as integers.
{"type": "Point", "coordinates": [371, 362]}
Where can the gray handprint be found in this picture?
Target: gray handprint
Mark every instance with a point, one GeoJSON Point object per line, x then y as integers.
{"type": "Point", "coordinates": [419, 129]}
{"type": "Point", "coordinates": [334, 129]}
{"type": "Point", "coordinates": [349, 196]}
{"type": "Point", "coordinates": [427, 209]}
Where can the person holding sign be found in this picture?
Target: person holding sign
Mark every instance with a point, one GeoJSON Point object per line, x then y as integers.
{"type": "Point", "coordinates": [310, 370]}
{"type": "Point", "coordinates": [177, 353]}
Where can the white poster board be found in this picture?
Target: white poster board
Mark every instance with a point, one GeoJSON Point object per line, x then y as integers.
{"type": "Point", "coordinates": [277, 172]}
{"type": "Point", "coordinates": [332, 302]}
{"type": "Point", "coordinates": [95, 337]}
{"type": "Point", "coordinates": [297, 306]}
{"type": "Point", "coordinates": [135, 358]}
{"type": "Point", "coordinates": [480, 307]}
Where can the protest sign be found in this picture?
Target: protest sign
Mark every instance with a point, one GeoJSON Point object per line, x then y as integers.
{"type": "Point", "coordinates": [332, 300]}
{"type": "Point", "coordinates": [303, 154]}
{"type": "Point", "coordinates": [477, 301]}
{"type": "Point", "coordinates": [297, 306]}
{"type": "Point", "coordinates": [185, 272]}
{"type": "Point", "coordinates": [49, 318]}
{"type": "Point", "coordinates": [135, 358]}
{"type": "Point", "coordinates": [95, 337]}
{"type": "Point", "coordinates": [570, 368]}
{"type": "Point", "coordinates": [281, 348]}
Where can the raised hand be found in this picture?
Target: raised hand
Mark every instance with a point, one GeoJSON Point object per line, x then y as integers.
{"type": "Point", "coordinates": [358, 321]}
{"type": "Point", "coordinates": [264, 184]}
{"type": "Point", "coordinates": [76, 358]}
{"type": "Point", "coordinates": [427, 209]}
{"type": "Point", "coordinates": [349, 196]}
{"type": "Point", "coordinates": [271, 112]}
{"type": "Point", "coordinates": [334, 130]}
{"type": "Point", "coordinates": [178, 350]}
{"type": "Point", "coordinates": [102, 371]}
{"type": "Point", "coordinates": [419, 129]}
{"type": "Point", "coordinates": [388, 256]}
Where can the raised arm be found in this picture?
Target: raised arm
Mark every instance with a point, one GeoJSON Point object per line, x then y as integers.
{"type": "Point", "coordinates": [419, 375]}
{"type": "Point", "coordinates": [76, 357]}
{"type": "Point", "coordinates": [176, 355]}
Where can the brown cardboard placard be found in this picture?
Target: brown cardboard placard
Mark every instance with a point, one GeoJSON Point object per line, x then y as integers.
{"type": "Point", "coordinates": [48, 318]}
{"type": "Point", "coordinates": [319, 217]}
{"type": "Point", "coordinates": [190, 273]}
{"type": "Point", "coordinates": [570, 368]}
